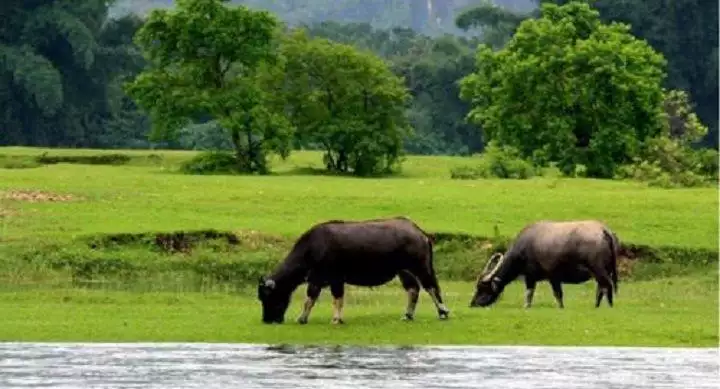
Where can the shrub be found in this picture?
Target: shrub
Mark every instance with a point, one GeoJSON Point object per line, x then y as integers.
{"type": "Point", "coordinates": [212, 162]}
{"type": "Point", "coordinates": [17, 162]}
{"type": "Point", "coordinates": [102, 159]}
{"type": "Point", "coordinates": [668, 163]}
{"type": "Point", "coordinates": [497, 162]}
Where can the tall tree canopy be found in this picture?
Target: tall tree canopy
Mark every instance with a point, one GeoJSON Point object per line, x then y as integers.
{"type": "Point", "coordinates": [569, 89]}
{"type": "Point", "coordinates": [348, 102]}
{"type": "Point", "coordinates": [209, 61]}
{"type": "Point", "coordinates": [685, 31]}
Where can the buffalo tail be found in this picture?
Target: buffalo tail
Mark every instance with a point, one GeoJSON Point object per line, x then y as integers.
{"type": "Point", "coordinates": [613, 252]}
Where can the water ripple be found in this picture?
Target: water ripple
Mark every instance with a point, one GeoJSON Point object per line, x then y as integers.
{"type": "Point", "coordinates": [207, 366]}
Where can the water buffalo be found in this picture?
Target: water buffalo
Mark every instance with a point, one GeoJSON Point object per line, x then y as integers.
{"type": "Point", "coordinates": [362, 253]}
{"type": "Point", "coordinates": [558, 251]}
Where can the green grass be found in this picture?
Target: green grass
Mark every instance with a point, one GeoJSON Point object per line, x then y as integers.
{"type": "Point", "coordinates": [663, 304]}
{"type": "Point", "coordinates": [152, 198]}
{"type": "Point", "coordinates": [651, 313]}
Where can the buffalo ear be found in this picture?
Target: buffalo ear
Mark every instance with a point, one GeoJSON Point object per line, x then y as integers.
{"type": "Point", "coordinates": [261, 280]}
{"type": "Point", "coordinates": [494, 284]}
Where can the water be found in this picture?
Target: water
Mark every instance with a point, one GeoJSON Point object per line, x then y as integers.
{"type": "Point", "coordinates": [207, 366]}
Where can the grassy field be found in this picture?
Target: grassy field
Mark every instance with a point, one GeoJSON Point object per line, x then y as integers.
{"type": "Point", "coordinates": [678, 305]}
{"type": "Point", "coordinates": [111, 199]}
{"type": "Point", "coordinates": [670, 312]}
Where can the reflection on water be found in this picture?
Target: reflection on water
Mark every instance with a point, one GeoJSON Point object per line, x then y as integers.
{"type": "Point", "coordinates": [165, 365]}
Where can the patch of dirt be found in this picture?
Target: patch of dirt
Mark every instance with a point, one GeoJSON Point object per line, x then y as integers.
{"type": "Point", "coordinates": [184, 241]}
{"type": "Point", "coordinates": [179, 241]}
{"type": "Point", "coordinates": [8, 212]}
{"type": "Point", "coordinates": [625, 266]}
{"type": "Point", "coordinates": [36, 196]}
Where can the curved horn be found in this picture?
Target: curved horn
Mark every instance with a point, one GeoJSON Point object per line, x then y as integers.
{"type": "Point", "coordinates": [493, 259]}
{"type": "Point", "coordinates": [500, 258]}
{"type": "Point", "coordinates": [270, 283]}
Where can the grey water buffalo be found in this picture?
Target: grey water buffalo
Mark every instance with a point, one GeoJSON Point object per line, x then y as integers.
{"type": "Point", "coordinates": [362, 253]}
{"type": "Point", "coordinates": [568, 252]}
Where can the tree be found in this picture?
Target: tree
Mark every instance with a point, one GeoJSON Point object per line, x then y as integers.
{"type": "Point", "coordinates": [438, 113]}
{"type": "Point", "coordinates": [209, 61]}
{"type": "Point", "coordinates": [569, 89]}
{"type": "Point", "coordinates": [346, 101]}
{"type": "Point", "coordinates": [430, 67]}
{"type": "Point", "coordinates": [496, 23]}
{"type": "Point", "coordinates": [684, 31]}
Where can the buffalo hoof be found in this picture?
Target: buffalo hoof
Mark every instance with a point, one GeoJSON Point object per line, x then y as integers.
{"type": "Point", "coordinates": [408, 317]}
{"type": "Point", "coordinates": [444, 315]}
{"type": "Point", "coordinates": [337, 321]}
{"type": "Point", "coordinates": [302, 320]}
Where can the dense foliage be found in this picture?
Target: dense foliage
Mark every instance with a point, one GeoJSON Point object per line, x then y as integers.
{"type": "Point", "coordinates": [346, 102]}
{"type": "Point", "coordinates": [63, 64]}
{"type": "Point", "coordinates": [684, 31]}
{"type": "Point", "coordinates": [209, 61]}
{"type": "Point", "coordinates": [569, 89]}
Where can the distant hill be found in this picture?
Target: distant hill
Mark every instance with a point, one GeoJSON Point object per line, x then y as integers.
{"type": "Point", "coordinates": [425, 16]}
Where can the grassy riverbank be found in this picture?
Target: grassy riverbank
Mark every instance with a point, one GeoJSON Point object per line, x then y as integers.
{"type": "Point", "coordinates": [669, 312]}
{"type": "Point", "coordinates": [116, 253]}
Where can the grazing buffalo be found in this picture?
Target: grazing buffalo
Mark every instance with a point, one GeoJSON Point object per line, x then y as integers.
{"type": "Point", "coordinates": [561, 252]}
{"type": "Point", "coordinates": [363, 253]}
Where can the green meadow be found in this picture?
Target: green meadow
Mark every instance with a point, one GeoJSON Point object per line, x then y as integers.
{"type": "Point", "coordinates": [82, 254]}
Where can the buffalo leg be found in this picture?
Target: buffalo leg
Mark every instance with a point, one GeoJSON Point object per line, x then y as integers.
{"type": "Point", "coordinates": [338, 293]}
{"type": "Point", "coordinates": [529, 291]}
{"type": "Point", "coordinates": [604, 285]}
{"type": "Point", "coordinates": [412, 287]}
{"type": "Point", "coordinates": [429, 282]}
{"type": "Point", "coordinates": [557, 292]}
{"type": "Point", "coordinates": [604, 289]}
{"type": "Point", "coordinates": [598, 295]}
{"type": "Point", "coordinates": [313, 292]}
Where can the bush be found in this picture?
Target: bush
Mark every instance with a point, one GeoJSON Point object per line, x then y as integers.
{"type": "Point", "coordinates": [102, 159]}
{"type": "Point", "coordinates": [706, 161]}
{"type": "Point", "coordinates": [497, 162]}
{"type": "Point", "coordinates": [17, 162]}
{"type": "Point", "coordinates": [668, 163]}
{"type": "Point", "coordinates": [212, 162]}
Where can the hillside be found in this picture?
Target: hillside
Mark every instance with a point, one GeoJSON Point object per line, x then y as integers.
{"type": "Point", "coordinates": [425, 16]}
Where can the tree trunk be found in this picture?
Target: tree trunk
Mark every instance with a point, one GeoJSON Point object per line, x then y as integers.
{"type": "Point", "coordinates": [240, 154]}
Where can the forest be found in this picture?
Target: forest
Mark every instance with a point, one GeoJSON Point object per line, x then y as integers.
{"type": "Point", "coordinates": [369, 81]}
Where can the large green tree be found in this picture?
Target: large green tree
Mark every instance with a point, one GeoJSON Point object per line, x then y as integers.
{"type": "Point", "coordinates": [684, 31]}
{"type": "Point", "coordinates": [430, 67]}
{"type": "Point", "coordinates": [569, 89]}
{"type": "Point", "coordinates": [348, 102]}
{"type": "Point", "coordinates": [210, 61]}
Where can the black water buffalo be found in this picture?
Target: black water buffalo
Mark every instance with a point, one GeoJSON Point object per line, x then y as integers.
{"type": "Point", "coordinates": [561, 252]}
{"type": "Point", "coordinates": [363, 253]}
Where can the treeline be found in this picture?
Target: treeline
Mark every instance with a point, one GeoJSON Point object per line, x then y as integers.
{"type": "Point", "coordinates": [61, 68]}
{"type": "Point", "coordinates": [64, 68]}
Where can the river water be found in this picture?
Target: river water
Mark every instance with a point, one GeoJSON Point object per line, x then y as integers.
{"type": "Point", "coordinates": [198, 365]}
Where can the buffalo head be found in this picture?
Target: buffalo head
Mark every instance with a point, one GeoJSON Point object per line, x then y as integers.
{"type": "Point", "coordinates": [488, 287]}
{"type": "Point", "coordinates": [274, 301]}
